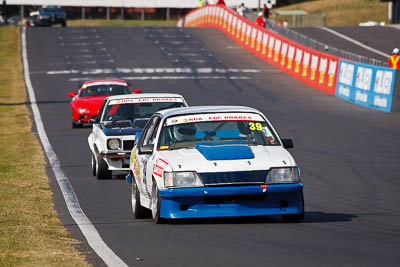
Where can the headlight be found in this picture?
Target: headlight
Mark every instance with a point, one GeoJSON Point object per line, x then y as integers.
{"type": "Point", "coordinates": [182, 179]}
{"type": "Point", "coordinates": [283, 175]}
{"type": "Point", "coordinates": [83, 110]}
{"type": "Point", "coordinates": [113, 144]}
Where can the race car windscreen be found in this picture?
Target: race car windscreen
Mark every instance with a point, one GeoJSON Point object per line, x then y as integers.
{"type": "Point", "coordinates": [104, 89]}
{"type": "Point", "coordinates": [132, 111]}
{"type": "Point", "coordinates": [215, 133]}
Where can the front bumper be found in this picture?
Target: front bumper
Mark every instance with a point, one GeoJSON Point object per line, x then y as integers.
{"type": "Point", "coordinates": [231, 201]}
{"type": "Point", "coordinates": [44, 22]}
{"type": "Point", "coordinates": [84, 118]}
{"type": "Point", "coordinates": [51, 21]}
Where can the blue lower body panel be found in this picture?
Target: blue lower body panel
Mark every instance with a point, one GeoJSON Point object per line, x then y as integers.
{"type": "Point", "coordinates": [231, 201]}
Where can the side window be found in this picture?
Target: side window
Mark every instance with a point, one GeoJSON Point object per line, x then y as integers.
{"type": "Point", "coordinates": [151, 133]}
{"type": "Point", "coordinates": [153, 136]}
{"type": "Point", "coordinates": [101, 111]}
{"type": "Point", "coordinates": [147, 129]}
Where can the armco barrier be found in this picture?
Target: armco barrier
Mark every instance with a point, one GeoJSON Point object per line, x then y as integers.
{"type": "Point", "coordinates": [367, 85]}
{"type": "Point", "coordinates": [363, 84]}
{"type": "Point", "coordinates": [310, 66]}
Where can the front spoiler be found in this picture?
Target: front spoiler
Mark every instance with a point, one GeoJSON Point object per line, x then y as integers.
{"type": "Point", "coordinates": [117, 161]}
{"type": "Point", "coordinates": [82, 123]}
{"type": "Point", "coordinates": [231, 201]}
{"type": "Point", "coordinates": [109, 155]}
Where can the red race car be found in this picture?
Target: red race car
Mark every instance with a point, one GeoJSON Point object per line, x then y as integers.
{"type": "Point", "coordinates": [85, 103]}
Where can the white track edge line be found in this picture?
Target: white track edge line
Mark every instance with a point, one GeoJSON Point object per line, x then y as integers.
{"type": "Point", "coordinates": [83, 222]}
{"type": "Point", "coordinates": [355, 41]}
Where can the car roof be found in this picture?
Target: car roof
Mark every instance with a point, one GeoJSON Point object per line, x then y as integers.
{"type": "Point", "coordinates": [98, 82]}
{"type": "Point", "coordinates": [143, 95]}
{"type": "Point", "coordinates": [205, 109]}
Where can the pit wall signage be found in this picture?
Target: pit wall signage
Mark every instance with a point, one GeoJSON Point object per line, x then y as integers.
{"type": "Point", "coordinates": [366, 85]}
{"type": "Point", "coordinates": [312, 67]}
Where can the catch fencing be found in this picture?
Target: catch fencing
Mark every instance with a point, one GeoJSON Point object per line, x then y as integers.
{"type": "Point", "coordinates": [306, 64]}
{"type": "Point", "coordinates": [314, 44]}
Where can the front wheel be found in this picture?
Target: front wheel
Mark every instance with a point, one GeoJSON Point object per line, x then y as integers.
{"type": "Point", "coordinates": [294, 218]}
{"type": "Point", "coordinates": [155, 205]}
{"type": "Point", "coordinates": [75, 124]}
{"type": "Point", "coordinates": [102, 170]}
{"type": "Point", "coordinates": [94, 165]}
{"type": "Point", "coordinates": [139, 212]}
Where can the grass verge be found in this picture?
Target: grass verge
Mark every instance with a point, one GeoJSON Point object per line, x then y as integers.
{"type": "Point", "coordinates": [344, 12]}
{"type": "Point", "coordinates": [118, 22]}
{"type": "Point", "coordinates": [30, 231]}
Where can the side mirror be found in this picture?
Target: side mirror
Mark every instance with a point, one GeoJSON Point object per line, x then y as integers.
{"type": "Point", "coordinates": [129, 178]}
{"type": "Point", "coordinates": [72, 94]}
{"type": "Point", "coordinates": [146, 150]}
{"type": "Point", "coordinates": [287, 143]}
{"type": "Point", "coordinates": [93, 120]}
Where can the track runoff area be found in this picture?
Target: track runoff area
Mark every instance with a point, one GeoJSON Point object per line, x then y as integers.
{"type": "Point", "coordinates": [346, 152]}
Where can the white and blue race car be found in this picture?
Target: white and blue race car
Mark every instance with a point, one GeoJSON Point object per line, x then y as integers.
{"type": "Point", "coordinates": [118, 122]}
{"type": "Point", "coordinates": [213, 161]}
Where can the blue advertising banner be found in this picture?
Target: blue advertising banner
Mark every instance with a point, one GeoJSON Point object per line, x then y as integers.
{"type": "Point", "coordinates": [366, 85]}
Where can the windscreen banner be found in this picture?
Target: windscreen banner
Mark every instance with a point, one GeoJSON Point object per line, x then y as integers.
{"type": "Point", "coordinates": [309, 66]}
{"type": "Point", "coordinates": [366, 85]}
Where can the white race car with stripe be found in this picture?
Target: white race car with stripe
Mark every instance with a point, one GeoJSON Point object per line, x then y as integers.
{"type": "Point", "coordinates": [114, 130]}
{"type": "Point", "coordinates": [213, 161]}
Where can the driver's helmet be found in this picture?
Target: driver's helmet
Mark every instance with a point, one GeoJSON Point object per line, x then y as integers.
{"type": "Point", "coordinates": [185, 132]}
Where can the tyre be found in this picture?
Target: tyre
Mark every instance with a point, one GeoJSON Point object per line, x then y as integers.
{"type": "Point", "coordinates": [102, 170]}
{"type": "Point", "coordinates": [94, 165]}
{"type": "Point", "coordinates": [75, 125]}
{"type": "Point", "coordinates": [155, 205]}
{"type": "Point", "coordinates": [139, 212]}
{"type": "Point", "coordinates": [293, 218]}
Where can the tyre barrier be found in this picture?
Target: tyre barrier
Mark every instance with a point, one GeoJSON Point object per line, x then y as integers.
{"type": "Point", "coordinates": [314, 68]}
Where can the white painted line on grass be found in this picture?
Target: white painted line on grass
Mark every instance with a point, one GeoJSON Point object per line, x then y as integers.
{"type": "Point", "coordinates": [83, 222]}
{"type": "Point", "coordinates": [355, 42]}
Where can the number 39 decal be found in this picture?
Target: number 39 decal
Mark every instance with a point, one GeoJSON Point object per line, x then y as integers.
{"type": "Point", "coordinates": [255, 126]}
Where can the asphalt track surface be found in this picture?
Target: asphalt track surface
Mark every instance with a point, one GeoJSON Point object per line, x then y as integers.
{"type": "Point", "coordinates": [349, 155]}
{"type": "Point", "coordinates": [383, 39]}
